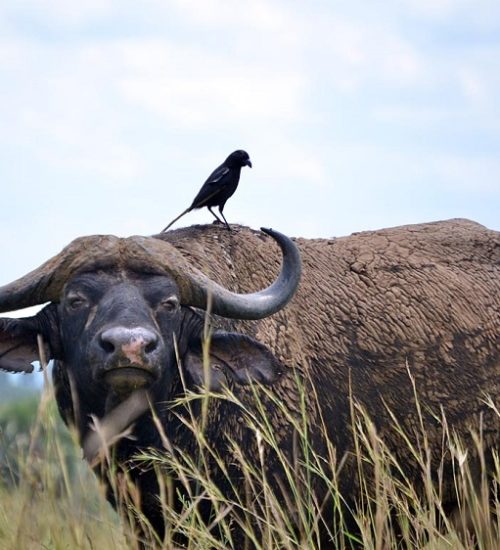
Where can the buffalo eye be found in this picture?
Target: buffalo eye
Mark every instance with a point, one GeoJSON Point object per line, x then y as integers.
{"type": "Point", "coordinates": [75, 302]}
{"type": "Point", "coordinates": [170, 304]}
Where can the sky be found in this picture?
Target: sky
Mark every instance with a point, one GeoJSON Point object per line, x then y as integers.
{"type": "Point", "coordinates": [357, 115]}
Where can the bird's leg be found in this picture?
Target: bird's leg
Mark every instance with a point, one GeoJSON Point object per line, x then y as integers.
{"type": "Point", "coordinates": [225, 221]}
{"type": "Point", "coordinates": [215, 215]}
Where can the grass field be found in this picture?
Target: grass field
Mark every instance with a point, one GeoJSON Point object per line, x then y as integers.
{"type": "Point", "coordinates": [50, 499]}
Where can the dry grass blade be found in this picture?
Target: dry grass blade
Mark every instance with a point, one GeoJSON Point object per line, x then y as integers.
{"type": "Point", "coordinates": [114, 426]}
{"type": "Point", "coordinates": [394, 510]}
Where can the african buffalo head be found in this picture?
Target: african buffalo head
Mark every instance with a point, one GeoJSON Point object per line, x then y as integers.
{"type": "Point", "coordinates": [121, 314]}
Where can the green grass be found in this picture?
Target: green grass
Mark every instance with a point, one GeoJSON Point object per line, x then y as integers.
{"type": "Point", "coordinates": [48, 496]}
{"type": "Point", "coordinates": [55, 502]}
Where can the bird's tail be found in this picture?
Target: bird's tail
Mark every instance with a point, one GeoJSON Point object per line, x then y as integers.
{"type": "Point", "coordinates": [175, 219]}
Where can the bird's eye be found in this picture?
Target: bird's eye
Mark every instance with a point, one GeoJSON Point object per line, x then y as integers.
{"type": "Point", "coordinates": [169, 304]}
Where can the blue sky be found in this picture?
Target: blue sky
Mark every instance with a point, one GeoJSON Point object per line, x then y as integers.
{"type": "Point", "coordinates": [357, 115]}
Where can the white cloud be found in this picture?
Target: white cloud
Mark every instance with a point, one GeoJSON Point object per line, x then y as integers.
{"type": "Point", "coordinates": [219, 100]}
{"type": "Point", "coordinates": [355, 54]}
{"type": "Point", "coordinates": [189, 86]}
{"type": "Point", "coordinates": [335, 104]}
{"type": "Point", "coordinates": [473, 85]}
{"type": "Point", "coordinates": [401, 64]}
{"type": "Point", "coordinates": [114, 164]}
{"type": "Point", "coordinates": [63, 12]}
{"type": "Point", "coordinates": [255, 14]}
{"type": "Point", "coordinates": [478, 12]}
{"type": "Point", "coordinates": [475, 173]}
{"type": "Point", "coordinates": [414, 115]}
{"type": "Point", "coordinates": [433, 8]}
{"type": "Point", "coordinates": [293, 162]}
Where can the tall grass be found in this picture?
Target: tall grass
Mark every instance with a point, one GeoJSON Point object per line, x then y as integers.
{"type": "Point", "coordinates": [51, 500]}
{"type": "Point", "coordinates": [57, 502]}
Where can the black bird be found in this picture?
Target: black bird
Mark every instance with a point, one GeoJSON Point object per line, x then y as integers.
{"type": "Point", "coordinates": [220, 185]}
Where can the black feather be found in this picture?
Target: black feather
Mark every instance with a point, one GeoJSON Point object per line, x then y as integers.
{"type": "Point", "coordinates": [219, 186]}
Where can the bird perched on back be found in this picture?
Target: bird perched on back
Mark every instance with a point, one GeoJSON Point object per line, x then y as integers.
{"type": "Point", "coordinates": [220, 185]}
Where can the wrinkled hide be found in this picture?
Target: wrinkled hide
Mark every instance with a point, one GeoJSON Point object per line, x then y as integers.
{"type": "Point", "coordinates": [371, 308]}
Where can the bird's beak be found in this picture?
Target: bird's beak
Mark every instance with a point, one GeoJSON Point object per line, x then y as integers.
{"type": "Point", "coordinates": [249, 163]}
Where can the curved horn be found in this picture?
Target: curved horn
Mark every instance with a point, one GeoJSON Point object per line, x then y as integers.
{"type": "Point", "coordinates": [148, 254]}
{"type": "Point", "coordinates": [258, 304]}
{"type": "Point", "coordinates": [45, 283]}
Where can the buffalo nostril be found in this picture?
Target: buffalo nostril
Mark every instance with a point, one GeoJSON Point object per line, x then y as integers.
{"type": "Point", "coordinates": [107, 346]}
{"type": "Point", "coordinates": [151, 346]}
{"type": "Point", "coordinates": [128, 340]}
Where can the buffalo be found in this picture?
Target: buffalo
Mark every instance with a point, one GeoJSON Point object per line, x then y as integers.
{"type": "Point", "coordinates": [378, 316]}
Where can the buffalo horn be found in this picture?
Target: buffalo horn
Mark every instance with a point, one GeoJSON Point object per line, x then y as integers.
{"type": "Point", "coordinates": [150, 255]}
{"type": "Point", "coordinates": [45, 283]}
{"type": "Point", "coordinates": [258, 304]}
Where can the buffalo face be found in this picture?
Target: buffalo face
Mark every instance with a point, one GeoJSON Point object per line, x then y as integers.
{"type": "Point", "coordinates": [118, 329]}
{"type": "Point", "coordinates": [125, 331]}
{"type": "Point", "coordinates": [121, 316]}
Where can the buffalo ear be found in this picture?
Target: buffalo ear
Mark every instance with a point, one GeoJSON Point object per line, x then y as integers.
{"type": "Point", "coordinates": [18, 340]}
{"type": "Point", "coordinates": [232, 357]}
